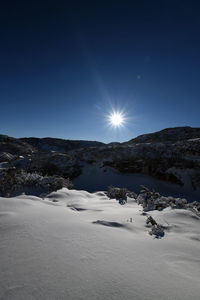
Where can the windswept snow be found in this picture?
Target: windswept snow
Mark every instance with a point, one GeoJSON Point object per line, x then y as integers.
{"type": "Point", "coordinates": [78, 245]}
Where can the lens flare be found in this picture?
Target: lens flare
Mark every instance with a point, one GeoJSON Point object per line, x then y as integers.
{"type": "Point", "coordinates": [116, 119]}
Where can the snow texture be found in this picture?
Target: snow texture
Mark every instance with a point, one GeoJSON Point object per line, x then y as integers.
{"type": "Point", "coordinates": [78, 245]}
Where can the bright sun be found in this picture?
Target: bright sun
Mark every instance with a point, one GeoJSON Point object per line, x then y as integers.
{"type": "Point", "coordinates": [116, 119]}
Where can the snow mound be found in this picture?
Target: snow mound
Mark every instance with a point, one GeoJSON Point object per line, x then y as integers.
{"type": "Point", "coordinates": [50, 251]}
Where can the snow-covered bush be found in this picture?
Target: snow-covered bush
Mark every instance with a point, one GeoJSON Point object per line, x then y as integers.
{"type": "Point", "coordinates": [194, 205]}
{"type": "Point", "coordinates": [120, 194]}
{"type": "Point", "coordinates": [24, 178]}
{"type": "Point", "coordinates": [148, 199]}
{"type": "Point", "coordinates": [156, 229]}
{"type": "Point", "coordinates": [178, 203]}
{"type": "Point", "coordinates": [115, 192]}
{"type": "Point", "coordinates": [150, 220]}
{"type": "Point", "coordinates": [151, 200]}
{"type": "Point", "coordinates": [16, 181]}
{"type": "Point", "coordinates": [55, 182]}
{"type": "Point", "coordinates": [131, 194]}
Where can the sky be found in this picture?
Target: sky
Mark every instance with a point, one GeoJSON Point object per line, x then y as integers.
{"type": "Point", "coordinates": [66, 65]}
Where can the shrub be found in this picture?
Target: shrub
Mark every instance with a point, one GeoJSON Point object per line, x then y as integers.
{"type": "Point", "coordinates": [151, 200]}
{"type": "Point", "coordinates": [156, 229]}
{"type": "Point", "coordinates": [120, 194]}
{"type": "Point", "coordinates": [17, 181]}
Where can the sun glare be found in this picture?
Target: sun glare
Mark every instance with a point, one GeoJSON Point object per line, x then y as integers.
{"type": "Point", "coordinates": [116, 119]}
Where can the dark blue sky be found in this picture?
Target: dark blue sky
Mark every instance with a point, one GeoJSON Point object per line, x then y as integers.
{"type": "Point", "coordinates": [65, 64]}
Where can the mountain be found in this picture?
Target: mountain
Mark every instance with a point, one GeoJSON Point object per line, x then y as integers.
{"type": "Point", "coordinates": [172, 155]}
{"type": "Point", "coordinates": [60, 145]}
{"type": "Point", "coordinates": [168, 135]}
{"type": "Point", "coordinates": [14, 146]}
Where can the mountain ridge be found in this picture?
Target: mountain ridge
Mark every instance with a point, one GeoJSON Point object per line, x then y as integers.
{"type": "Point", "coordinates": [172, 154]}
{"type": "Point", "coordinates": [168, 135]}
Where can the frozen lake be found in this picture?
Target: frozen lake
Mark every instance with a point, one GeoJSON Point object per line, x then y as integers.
{"type": "Point", "coordinates": [95, 179]}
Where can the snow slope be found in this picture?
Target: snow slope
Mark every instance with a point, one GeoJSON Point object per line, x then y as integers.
{"type": "Point", "coordinates": [55, 250]}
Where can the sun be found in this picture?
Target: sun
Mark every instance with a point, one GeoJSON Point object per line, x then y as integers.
{"type": "Point", "coordinates": [116, 119]}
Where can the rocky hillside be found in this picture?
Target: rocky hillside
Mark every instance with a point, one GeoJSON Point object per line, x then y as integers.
{"type": "Point", "coordinates": [14, 146]}
{"type": "Point", "coordinates": [58, 145]}
{"type": "Point", "coordinates": [168, 135]}
{"type": "Point", "coordinates": [172, 155]}
{"type": "Point", "coordinates": [47, 156]}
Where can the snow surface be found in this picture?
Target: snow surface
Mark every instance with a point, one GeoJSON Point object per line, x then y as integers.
{"type": "Point", "coordinates": [55, 250]}
{"type": "Point", "coordinates": [77, 245]}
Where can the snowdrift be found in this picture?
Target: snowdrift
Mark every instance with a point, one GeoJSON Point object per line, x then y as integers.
{"type": "Point", "coordinates": [79, 245]}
